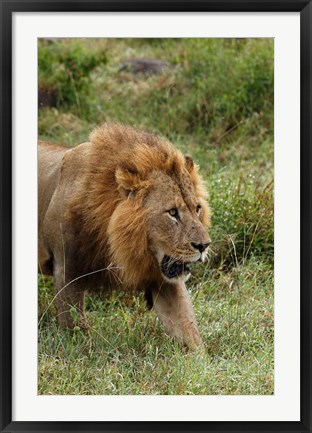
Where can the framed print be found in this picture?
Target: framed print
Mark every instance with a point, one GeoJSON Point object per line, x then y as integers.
{"type": "Point", "coordinates": [155, 216]}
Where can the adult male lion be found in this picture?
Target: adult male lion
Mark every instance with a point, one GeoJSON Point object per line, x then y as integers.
{"type": "Point", "coordinates": [124, 210]}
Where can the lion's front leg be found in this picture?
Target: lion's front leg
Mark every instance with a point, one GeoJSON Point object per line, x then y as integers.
{"type": "Point", "coordinates": [173, 306]}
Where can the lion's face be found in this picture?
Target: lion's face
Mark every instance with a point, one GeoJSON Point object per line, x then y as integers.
{"type": "Point", "coordinates": [175, 229]}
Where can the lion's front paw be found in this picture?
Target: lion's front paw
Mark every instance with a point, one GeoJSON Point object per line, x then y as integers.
{"type": "Point", "coordinates": [191, 337]}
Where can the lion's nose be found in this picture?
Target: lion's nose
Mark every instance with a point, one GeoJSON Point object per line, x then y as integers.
{"type": "Point", "coordinates": [201, 247]}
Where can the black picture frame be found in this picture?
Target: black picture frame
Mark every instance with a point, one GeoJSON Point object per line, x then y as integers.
{"type": "Point", "coordinates": [7, 9]}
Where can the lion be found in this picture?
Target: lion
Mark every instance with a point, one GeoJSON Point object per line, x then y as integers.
{"type": "Point", "coordinates": [125, 210]}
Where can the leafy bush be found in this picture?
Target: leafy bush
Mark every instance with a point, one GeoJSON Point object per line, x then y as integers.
{"type": "Point", "coordinates": [229, 81]}
{"type": "Point", "coordinates": [243, 215]}
{"type": "Point", "coordinates": [65, 71]}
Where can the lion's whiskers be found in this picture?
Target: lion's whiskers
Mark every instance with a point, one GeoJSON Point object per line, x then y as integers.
{"type": "Point", "coordinates": [112, 269]}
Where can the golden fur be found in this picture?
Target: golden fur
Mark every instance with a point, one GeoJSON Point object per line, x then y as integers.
{"type": "Point", "coordinates": [105, 204]}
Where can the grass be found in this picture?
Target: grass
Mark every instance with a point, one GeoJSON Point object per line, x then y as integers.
{"type": "Point", "coordinates": [215, 102]}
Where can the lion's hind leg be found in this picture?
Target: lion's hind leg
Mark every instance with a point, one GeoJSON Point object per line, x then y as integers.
{"type": "Point", "coordinates": [70, 300]}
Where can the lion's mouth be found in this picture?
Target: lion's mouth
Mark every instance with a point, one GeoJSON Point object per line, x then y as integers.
{"type": "Point", "coordinates": [172, 268]}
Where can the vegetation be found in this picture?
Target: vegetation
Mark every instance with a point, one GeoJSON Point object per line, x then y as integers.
{"type": "Point", "coordinates": [215, 102]}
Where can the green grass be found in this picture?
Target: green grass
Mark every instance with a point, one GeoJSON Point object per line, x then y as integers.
{"type": "Point", "coordinates": [215, 102]}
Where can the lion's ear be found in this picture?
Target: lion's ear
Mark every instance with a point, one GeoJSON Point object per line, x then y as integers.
{"type": "Point", "coordinates": [128, 180]}
{"type": "Point", "coordinates": [189, 163]}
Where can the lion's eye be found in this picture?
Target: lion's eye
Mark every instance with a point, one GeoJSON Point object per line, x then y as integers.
{"type": "Point", "coordinates": [198, 208]}
{"type": "Point", "coordinates": [174, 213]}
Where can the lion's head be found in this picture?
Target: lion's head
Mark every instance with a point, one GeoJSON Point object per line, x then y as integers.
{"type": "Point", "coordinates": [158, 217]}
